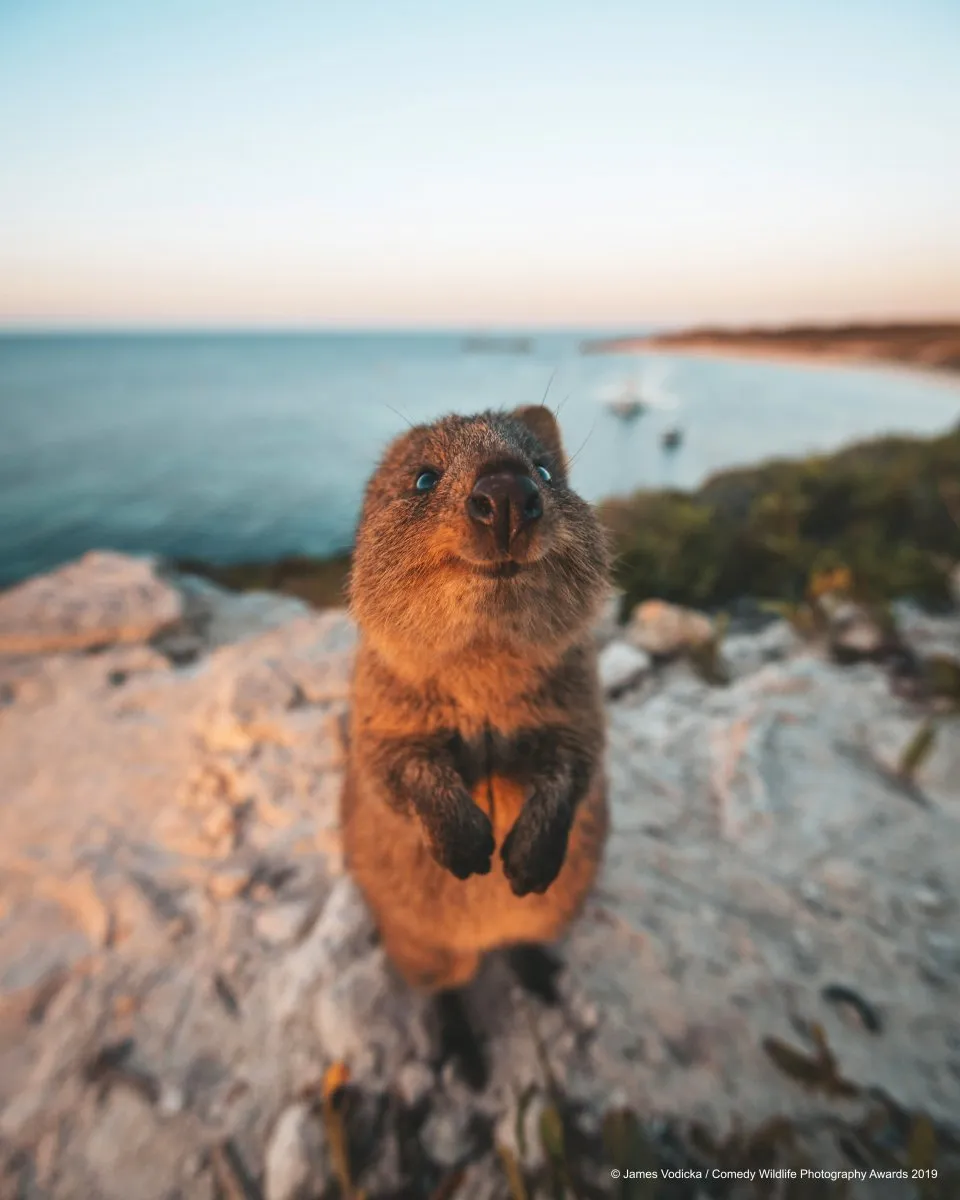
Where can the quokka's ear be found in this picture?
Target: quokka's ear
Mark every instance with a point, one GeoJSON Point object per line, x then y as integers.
{"type": "Point", "coordinates": [543, 425]}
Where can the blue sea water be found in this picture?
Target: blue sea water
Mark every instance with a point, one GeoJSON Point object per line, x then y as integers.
{"type": "Point", "coordinates": [237, 447]}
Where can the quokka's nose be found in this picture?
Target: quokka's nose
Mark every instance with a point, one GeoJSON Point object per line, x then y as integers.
{"type": "Point", "coordinates": [507, 501]}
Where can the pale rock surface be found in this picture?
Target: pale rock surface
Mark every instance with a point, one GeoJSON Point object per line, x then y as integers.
{"type": "Point", "coordinates": [763, 849]}
{"type": "Point", "coordinates": [518, 1129]}
{"type": "Point", "coordinates": [742, 654]}
{"type": "Point", "coordinates": [608, 625]}
{"type": "Point", "coordinates": [447, 1135]}
{"type": "Point", "coordinates": [853, 632]}
{"type": "Point", "coordinates": [928, 636]}
{"type": "Point", "coordinates": [295, 1167]}
{"type": "Point", "coordinates": [100, 599]}
{"type": "Point", "coordinates": [665, 630]}
{"type": "Point", "coordinates": [621, 666]}
{"type": "Point", "coordinates": [415, 1082]}
{"type": "Point", "coordinates": [284, 923]}
{"type": "Point", "coordinates": [221, 617]}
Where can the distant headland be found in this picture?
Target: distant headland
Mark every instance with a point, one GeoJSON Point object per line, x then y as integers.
{"type": "Point", "coordinates": [933, 346]}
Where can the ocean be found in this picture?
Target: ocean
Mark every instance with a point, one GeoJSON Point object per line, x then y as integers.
{"type": "Point", "coordinates": [242, 447]}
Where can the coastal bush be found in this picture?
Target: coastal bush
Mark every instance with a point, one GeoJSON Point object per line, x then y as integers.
{"type": "Point", "coordinates": [318, 581]}
{"type": "Point", "coordinates": [882, 511]}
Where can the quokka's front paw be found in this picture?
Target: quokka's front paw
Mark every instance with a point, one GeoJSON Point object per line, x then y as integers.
{"type": "Point", "coordinates": [461, 837]}
{"type": "Point", "coordinates": [534, 850]}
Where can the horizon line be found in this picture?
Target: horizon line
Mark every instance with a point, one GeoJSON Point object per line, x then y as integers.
{"type": "Point", "coordinates": [477, 329]}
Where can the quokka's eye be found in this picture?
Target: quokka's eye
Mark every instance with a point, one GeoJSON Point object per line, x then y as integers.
{"type": "Point", "coordinates": [544, 473]}
{"type": "Point", "coordinates": [427, 481]}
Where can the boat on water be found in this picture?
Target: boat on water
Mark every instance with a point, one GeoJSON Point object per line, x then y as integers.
{"type": "Point", "coordinates": [627, 409]}
{"type": "Point", "coordinates": [625, 400]}
{"type": "Point", "coordinates": [497, 345]}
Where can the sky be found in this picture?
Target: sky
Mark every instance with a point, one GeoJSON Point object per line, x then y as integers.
{"type": "Point", "coordinates": [362, 163]}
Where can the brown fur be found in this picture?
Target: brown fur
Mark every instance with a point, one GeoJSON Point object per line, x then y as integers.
{"type": "Point", "coordinates": [474, 810]}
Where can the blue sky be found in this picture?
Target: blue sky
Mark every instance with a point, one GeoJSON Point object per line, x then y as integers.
{"type": "Point", "coordinates": [392, 163]}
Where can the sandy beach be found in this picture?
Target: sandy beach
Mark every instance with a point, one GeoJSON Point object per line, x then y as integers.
{"type": "Point", "coordinates": [925, 347]}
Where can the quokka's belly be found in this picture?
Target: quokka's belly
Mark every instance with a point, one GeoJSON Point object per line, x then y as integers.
{"type": "Point", "coordinates": [406, 888]}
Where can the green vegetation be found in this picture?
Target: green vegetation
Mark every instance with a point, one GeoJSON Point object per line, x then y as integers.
{"type": "Point", "coordinates": [318, 581]}
{"type": "Point", "coordinates": [886, 511]}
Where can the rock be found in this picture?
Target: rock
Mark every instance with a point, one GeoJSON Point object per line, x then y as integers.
{"type": "Point", "coordinates": [608, 624]}
{"type": "Point", "coordinates": [128, 1152]}
{"type": "Point", "coordinates": [853, 633]}
{"type": "Point", "coordinates": [99, 600]}
{"type": "Point", "coordinates": [296, 1160]}
{"type": "Point", "coordinates": [228, 884]}
{"type": "Point", "coordinates": [341, 934]}
{"type": "Point", "coordinates": [283, 923]}
{"type": "Point", "coordinates": [763, 854]}
{"type": "Point", "coordinates": [665, 629]}
{"type": "Point", "coordinates": [621, 666]}
{"type": "Point", "coordinates": [928, 636]}
{"type": "Point", "coordinates": [760, 795]}
{"type": "Point", "coordinates": [171, 1100]}
{"type": "Point", "coordinates": [483, 1180]}
{"type": "Point", "coordinates": [181, 646]}
{"type": "Point", "coordinates": [447, 1135]}
{"type": "Point", "coordinates": [415, 1082]}
{"type": "Point", "coordinates": [365, 1018]}
{"type": "Point", "coordinates": [932, 899]}
{"type": "Point", "coordinates": [519, 1130]}
{"type": "Point", "coordinates": [742, 654]}
{"type": "Point", "coordinates": [222, 617]}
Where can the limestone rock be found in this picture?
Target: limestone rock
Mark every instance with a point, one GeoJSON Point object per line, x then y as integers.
{"type": "Point", "coordinates": [777, 796]}
{"type": "Point", "coordinates": [341, 934]}
{"type": "Point", "coordinates": [367, 1019]}
{"type": "Point", "coordinates": [665, 629]}
{"type": "Point", "coordinates": [621, 666]}
{"type": "Point", "coordinates": [447, 1135]}
{"type": "Point", "coordinates": [742, 654]}
{"type": "Point", "coordinates": [765, 863]}
{"type": "Point", "coordinates": [222, 617]}
{"type": "Point", "coordinates": [296, 1160]}
{"type": "Point", "coordinates": [518, 1130]}
{"type": "Point", "coordinates": [99, 600]}
{"type": "Point", "coordinates": [284, 923]}
{"type": "Point", "coordinates": [415, 1081]}
{"type": "Point", "coordinates": [608, 625]}
{"type": "Point", "coordinates": [853, 633]}
{"type": "Point", "coordinates": [927, 636]}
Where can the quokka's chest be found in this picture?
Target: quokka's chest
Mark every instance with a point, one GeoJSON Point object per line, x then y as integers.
{"type": "Point", "coordinates": [499, 770]}
{"type": "Point", "coordinates": [488, 753]}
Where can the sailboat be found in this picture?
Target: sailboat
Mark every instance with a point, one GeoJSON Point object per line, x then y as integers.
{"type": "Point", "coordinates": [628, 404]}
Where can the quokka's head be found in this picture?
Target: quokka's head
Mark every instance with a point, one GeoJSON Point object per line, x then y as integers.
{"type": "Point", "coordinates": [471, 535]}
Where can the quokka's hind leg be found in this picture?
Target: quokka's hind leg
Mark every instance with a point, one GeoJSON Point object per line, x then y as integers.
{"type": "Point", "coordinates": [444, 973]}
{"type": "Point", "coordinates": [460, 1042]}
{"type": "Point", "coordinates": [536, 968]}
{"type": "Point", "coordinates": [425, 967]}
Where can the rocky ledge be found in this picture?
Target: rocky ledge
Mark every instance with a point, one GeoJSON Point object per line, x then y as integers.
{"type": "Point", "coordinates": [193, 1002]}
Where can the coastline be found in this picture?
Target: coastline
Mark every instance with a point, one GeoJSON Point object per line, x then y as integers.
{"type": "Point", "coordinates": [791, 358]}
{"type": "Point", "coordinates": [925, 349]}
